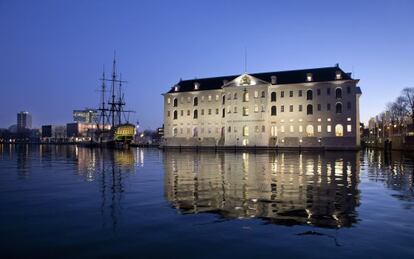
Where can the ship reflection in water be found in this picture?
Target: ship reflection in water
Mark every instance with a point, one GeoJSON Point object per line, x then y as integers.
{"type": "Point", "coordinates": [319, 189]}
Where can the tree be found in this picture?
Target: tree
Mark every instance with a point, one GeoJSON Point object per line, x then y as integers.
{"type": "Point", "coordinates": [407, 96]}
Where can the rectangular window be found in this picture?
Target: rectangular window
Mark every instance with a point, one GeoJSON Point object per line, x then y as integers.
{"type": "Point", "coordinates": [217, 111]}
{"type": "Point", "coordinates": [282, 128]}
{"type": "Point", "coordinates": [209, 98]}
{"type": "Point", "coordinates": [300, 107]}
{"type": "Point", "coordinates": [256, 94]}
{"type": "Point", "coordinates": [235, 109]}
{"type": "Point", "coordinates": [263, 128]}
{"type": "Point", "coordinates": [349, 128]}
{"type": "Point", "coordinates": [319, 106]}
{"type": "Point", "coordinates": [188, 112]}
{"type": "Point", "coordinates": [202, 111]}
{"type": "Point", "coordinates": [319, 128]}
{"type": "Point", "coordinates": [209, 111]}
{"type": "Point", "coordinates": [300, 93]}
{"type": "Point", "coordinates": [168, 113]}
{"type": "Point", "coordinates": [328, 106]}
{"type": "Point", "coordinates": [282, 94]}
{"type": "Point", "coordinates": [291, 108]}
{"type": "Point", "coordinates": [290, 93]}
{"type": "Point", "coordinates": [282, 108]}
{"type": "Point", "coordinates": [182, 112]}
{"type": "Point", "coordinates": [217, 97]}
{"type": "Point", "coordinates": [291, 128]}
{"type": "Point", "coordinates": [256, 108]}
{"type": "Point", "coordinates": [300, 128]}
{"type": "Point", "coordinates": [329, 128]}
{"type": "Point", "coordinates": [318, 91]}
{"type": "Point", "coordinates": [328, 91]}
{"type": "Point", "coordinates": [245, 111]}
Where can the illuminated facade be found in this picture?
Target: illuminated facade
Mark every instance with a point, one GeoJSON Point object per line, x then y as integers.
{"type": "Point", "coordinates": [315, 108]}
{"type": "Point", "coordinates": [85, 116]}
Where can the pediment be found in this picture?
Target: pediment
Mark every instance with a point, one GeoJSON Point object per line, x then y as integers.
{"type": "Point", "coordinates": [245, 80]}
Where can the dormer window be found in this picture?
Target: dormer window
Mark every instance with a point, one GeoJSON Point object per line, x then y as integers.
{"type": "Point", "coordinates": [309, 77]}
{"type": "Point", "coordinates": [176, 88]}
{"type": "Point", "coordinates": [338, 75]}
{"type": "Point", "coordinates": [273, 80]}
{"type": "Point", "coordinates": [196, 86]}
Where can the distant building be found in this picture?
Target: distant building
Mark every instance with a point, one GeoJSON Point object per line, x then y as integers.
{"type": "Point", "coordinates": [85, 116]}
{"type": "Point", "coordinates": [46, 131]}
{"type": "Point", "coordinates": [24, 120]}
{"type": "Point", "coordinates": [300, 108]}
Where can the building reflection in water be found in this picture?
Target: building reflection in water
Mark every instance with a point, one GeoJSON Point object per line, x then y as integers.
{"type": "Point", "coordinates": [396, 170]}
{"type": "Point", "coordinates": [286, 188]}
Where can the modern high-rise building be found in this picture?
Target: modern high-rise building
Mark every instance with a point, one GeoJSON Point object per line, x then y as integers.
{"type": "Point", "coordinates": [85, 116]}
{"type": "Point", "coordinates": [315, 108]}
{"type": "Point", "coordinates": [24, 120]}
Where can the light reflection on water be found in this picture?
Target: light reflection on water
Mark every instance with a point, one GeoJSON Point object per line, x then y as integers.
{"type": "Point", "coordinates": [269, 200]}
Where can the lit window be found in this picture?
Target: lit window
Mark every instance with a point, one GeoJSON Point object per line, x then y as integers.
{"type": "Point", "coordinates": [196, 86]}
{"type": "Point", "coordinates": [348, 119]}
{"type": "Point", "coordinates": [169, 100]}
{"type": "Point", "coordinates": [328, 119]}
{"type": "Point", "coordinates": [209, 98]}
{"type": "Point", "coordinates": [338, 75]}
{"type": "Point", "coordinates": [319, 119]}
{"type": "Point", "coordinates": [349, 128]}
{"type": "Point", "coordinates": [228, 109]}
{"type": "Point", "coordinates": [339, 130]}
{"type": "Point", "coordinates": [256, 129]}
{"type": "Point", "coordinates": [245, 111]}
{"type": "Point", "coordinates": [256, 94]}
{"type": "Point", "coordinates": [329, 128]}
{"type": "Point", "coordinates": [309, 131]}
{"type": "Point", "coordinates": [319, 128]}
{"type": "Point", "coordinates": [309, 77]}
{"type": "Point", "coordinates": [273, 131]}
{"type": "Point", "coordinates": [176, 88]}
{"type": "Point", "coordinates": [245, 131]}
{"type": "Point", "coordinates": [282, 128]}
{"type": "Point", "coordinates": [217, 97]}
{"type": "Point", "coordinates": [256, 108]}
{"type": "Point", "coordinates": [291, 128]}
{"type": "Point", "coordinates": [245, 96]}
{"type": "Point", "coordinates": [300, 128]}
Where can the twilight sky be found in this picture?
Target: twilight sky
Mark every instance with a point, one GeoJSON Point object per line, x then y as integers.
{"type": "Point", "coordinates": [52, 52]}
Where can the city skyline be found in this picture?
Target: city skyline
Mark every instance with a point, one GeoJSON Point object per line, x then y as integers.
{"type": "Point", "coordinates": [54, 52]}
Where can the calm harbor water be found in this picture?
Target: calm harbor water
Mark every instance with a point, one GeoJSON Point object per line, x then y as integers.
{"type": "Point", "coordinates": [77, 202]}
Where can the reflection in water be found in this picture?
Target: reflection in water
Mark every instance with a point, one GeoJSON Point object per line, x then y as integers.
{"type": "Point", "coordinates": [395, 170]}
{"type": "Point", "coordinates": [282, 188]}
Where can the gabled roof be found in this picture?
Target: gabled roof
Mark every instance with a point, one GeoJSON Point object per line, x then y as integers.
{"type": "Point", "coordinates": [322, 74]}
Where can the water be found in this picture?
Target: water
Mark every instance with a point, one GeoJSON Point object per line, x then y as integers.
{"type": "Point", "coordinates": [77, 202]}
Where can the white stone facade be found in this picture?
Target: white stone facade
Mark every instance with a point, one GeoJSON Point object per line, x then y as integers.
{"type": "Point", "coordinates": [251, 112]}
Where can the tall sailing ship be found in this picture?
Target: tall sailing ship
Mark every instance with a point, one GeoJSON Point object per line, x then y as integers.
{"type": "Point", "coordinates": [113, 126]}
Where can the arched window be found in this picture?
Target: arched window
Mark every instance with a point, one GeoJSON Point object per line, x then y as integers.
{"type": "Point", "coordinates": [235, 96]}
{"type": "Point", "coordinates": [338, 93]}
{"type": "Point", "coordinates": [223, 113]}
{"type": "Point", "coordinates": [338, 108]}
{"type": "Point", "coordinates": [195, 116]}
{"type": "Point", "coordinates": [224, 99]}
{"type": "Point", "coordinates": [309, 109]}
{"type": "Point", "coordinates": [263, 94]}
{"type": "Point", "coordinates": [175, 132]}
{"type": "Point", "coordinates": [339, 130]}
{"type": "Point", "coordinates": [309, 131]}
{"type": "Point", "coordinates": [273, 111]}
{"type": "Point", "coordinates": [175, 115]}
{"type": "Point", "coordinates": [175, 102]}
{"type": "Point", "coordinates": [245, 131]}
{"type": "Point", "coordinates": [195, 101]}
{"type": "Point", "coordinates": [245, 96]}
{"type": "Point", "coordinates": [273, 97]}
{"type": "Point", "coordinates": [309, 95]}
